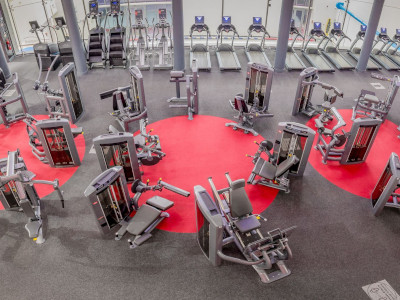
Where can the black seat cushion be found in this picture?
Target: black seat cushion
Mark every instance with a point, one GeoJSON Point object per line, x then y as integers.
{"type": "Point", "coordinates": [143, 218]}
{"type": "Point", "coordinates": [240, 203]}
{"type": "Point", "coordinates": [247, 224]}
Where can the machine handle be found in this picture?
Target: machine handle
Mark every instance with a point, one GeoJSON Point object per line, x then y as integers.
{"type": "Point", "coordinates": [174, 188]}
{"type": "Point", "coordinates": [238, 260]}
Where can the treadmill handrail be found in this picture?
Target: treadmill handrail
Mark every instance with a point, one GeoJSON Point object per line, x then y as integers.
{"type": "Point", "coordinates": [249, 35]}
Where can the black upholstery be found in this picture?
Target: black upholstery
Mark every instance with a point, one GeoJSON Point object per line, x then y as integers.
{"type": "Point", "coordinates": [240, 203]}
{"type": "Point", "coordinates": [143, 218]}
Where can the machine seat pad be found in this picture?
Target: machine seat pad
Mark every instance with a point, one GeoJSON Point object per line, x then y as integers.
{"type": "Point", "coordinates": [371, 98]}
{"type": "Point", "coordinates": [160, 202]}
{"type": "Point", "coordinates": [286, 164]}
{"type": "Point", "coordinates": [247, 224]}
{"type": "Point", "coordinates": [264, 169]}
{"type": "Point", "coordinates": [143, 218]}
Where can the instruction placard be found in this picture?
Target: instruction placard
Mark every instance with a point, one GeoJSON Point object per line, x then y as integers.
{"type": "Point", "coordinates": [381, 290]}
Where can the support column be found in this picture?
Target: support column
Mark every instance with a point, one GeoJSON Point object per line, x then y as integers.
{"type": "Point", "coordinates": [75, 37]}
{"type": "Point", "coordinates": [177, 22]}
{"type": "Point", "coordinates": [283, 35]}
{"type": "Point", "coordinates": [370, 35]}
{"type": "Point", "coordinates": [4, 63]}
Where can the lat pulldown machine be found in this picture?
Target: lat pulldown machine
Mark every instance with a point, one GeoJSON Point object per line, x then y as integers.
{"type": "Point", "coordinates": [308, 79]}
{"type": "Point", "coordinates": [255, 102]}
{"type": "Point", "coordinates": [386, 191]}
{"type": "Point", "coordinates": [113, 207]}
{"type": "Point", "coordinates": [18, 193]}
{"type": "Point", "coordinates": [229, 219]}
{"type": "Point", "coordinates": [347, 147]}
{"type": "Point", "coordinates": [192, 90]}
{"type": "Point", "coordinates": [290, 155]}
{"type": "Point", "coordinates": [129, 103]}
{"type": "Point", "coordinates": [367, 104]}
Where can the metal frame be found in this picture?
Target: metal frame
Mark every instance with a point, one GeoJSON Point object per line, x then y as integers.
{"type": "Point", "coordinates": [258, 69]}
{"type": "Point", "coordinates": [249, 48]}
{"type": "Point", "coordinates": [292, 51]}
{"type": "Point", "coordinates": [163, 48]}
{"type": "Point", "coordinates": [69, 140]}
{"type": "Point", "coordinates": [386, 187]}
{"type": "Point", "coordinates": [140, 53]}
{"type": "Point", "coordinates": [198, 49]}
{"type": "Point", "coordinates": [118, 139]}
{"type": "Point", "coordinates": [224, 48]}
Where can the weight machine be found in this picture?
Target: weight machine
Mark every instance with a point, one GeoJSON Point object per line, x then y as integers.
{"type": "Point", "coordinates": [385, 193]}
{"type": "Point", "coordinates": [162, 47]}
{"type": "Point", "coordinates": [129, 103]}
{"type": "Point", "coordinates": [291, 149]}
{"type": "Point", "coordinates": [308, 79]}
{"type": "Point", "coordinates": [139, 54]}
{"type": "Point", "coordinates": [18, 193]}
{"type": "Point", "coordinates": [255, 102]}
{"type": "Point", "coordinates": [192, 90]}
{"type": "Point", "coordinates": [52, 141]}
{"type": "Point", "coordinates": [347, 147]}
{"type": "Point", "coordinates": [367, 104]}
{"type": "Point", "coordinates": [113, 207]}
{"type": "Point", "coordinates": [6, 102]}
{"type": "Point", "coordinates": [229, 219]}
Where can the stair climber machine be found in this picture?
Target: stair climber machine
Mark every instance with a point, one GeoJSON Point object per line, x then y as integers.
{"type": "Point", "coordinates": [162, 45]}
{"type": "Point", "coordinates": [129, 102]}
{"type": "Point", "coordinates": [291, 149]}
{"type": "Point", "coordinates": [96, 44]}
{"type": "Point", "coordinates": [65, 47]}
{"type": "Point", "coordinates": [379, 54]}
{"type": "Point", "coordinates": [313, 54]}
{"type": "Point", "coordinates": [12, 108]}
{"type": "Point", "coordinates": [116, 39]}
{"type": "Point", "coordinates": [255, 52]}
{"type": "Point", "coordinates": [354, 51]}
{"type": "Point", "coordinates": [18, 193]}
{"type": "Point", "coordinates": [47, 51]}
{"type": "Point", "coordinates": [229, 219]}
{"type": "Point", "coordinates": [65, 102]}
{"type": "Point", "coordinates": [226, 55]}
{"type": "Point", "coordinates": [293, 61]}
{"type": "Point", "coordinates": [192, 90]}
{"type": "Point", "coordinates": [113, 207]}
{"type": "Point", "coordinates": [308, 79]}
{"type": "Point", "coordinates": [332, 51]}
{"type": "Point", "coordinates": [139, 53]}
{"type": "Point", "coordinates": [386, 192]}
{"type": "Point", "coordinates": [346, 147]}
{"type": "Point", "coordinates": [200, 52]}
{"type": "Point", "coordinates": [255, 102]}
{"type": "Point", "coordinates": [392, 49]}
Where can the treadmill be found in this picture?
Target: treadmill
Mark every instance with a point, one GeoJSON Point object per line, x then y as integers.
{"type": "Point", "coordinates": [313, 54]}
{"type": "Point", "coordinates": [354, 51]}
{"type": "Point", "coordinates": [226, 55]}
{"type": "Point", "coordinates": [255, 52]}
{"type": "Point", "coordinates": [200, 52]}
{"type": "Point", "coordinates": [293, 61]}
{"type": "Point", "coordinates": [332, 51]}
{"type": "Point", "coordinates": [378, 54]}
{"type": "Point", "coordinates": [392, 53]}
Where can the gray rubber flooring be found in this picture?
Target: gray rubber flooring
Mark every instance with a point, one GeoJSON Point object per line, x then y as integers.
{"type": "Point", "coordinates": [338, 246]}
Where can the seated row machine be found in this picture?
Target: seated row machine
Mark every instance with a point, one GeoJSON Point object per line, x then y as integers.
{"type": "Point", "coordinates": [291, 149]}
{"type": "Point", "coordinates": [18, 193]}
{"type": "Point", "coordinates": [255, 102]}
{"type": "Point", "coordinates": [370, 106]}
{"type": "Point", "coordinates": [113, 207]}
{"type": "Point", "coordinates": [192, 90]}
{"type": "Point", "coordinates": [346, 147]}
{"type": "Point", "coordinates": [229, 219]}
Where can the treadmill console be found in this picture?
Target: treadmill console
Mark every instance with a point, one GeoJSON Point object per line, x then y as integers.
{"type": "Point", "coordinates": [383, 34]}
{"type": "Point", "coordinates": [115, 6]}
{"type": "Point", "coordinates": [226, 23]}
{"type": "Point", "coordinates": [93, 7]}
{"type": "Point", "coordinates": [337, 29]}
{"type": "Point", "coordinates": [138, 15]}
{"type": "Point", "coordinates": [397, 35]}
{"type": "Point", "coordinates": [162, 13]}
{"type": "Point", "coordinates": [199, 20]}
{"type": "Point", "coordinates": [34, 25]}
{"type": "Point", "coordinates": [317, 30]}
{"type": "Point", "coordinates": [257, 24]}
{"type": "Point", "coordinates": [199, 25]}
{"type": "Point", "coordinates": [60, 21]}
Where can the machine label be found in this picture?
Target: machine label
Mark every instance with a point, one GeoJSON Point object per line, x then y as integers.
{"type": "Point", "coordinates": [377, 86]}
{"type": "Point", "coordinates": [381, 290]}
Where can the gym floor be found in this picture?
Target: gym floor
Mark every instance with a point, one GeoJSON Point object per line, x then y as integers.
{"type": "Point", "coordinates": [338, 247]}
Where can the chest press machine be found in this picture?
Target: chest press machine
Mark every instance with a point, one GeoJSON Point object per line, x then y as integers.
{"type": "Point", "coordinates": [255, 102]}
{"type": "Point", "coordinates": [346, 147]}
{"type": "Point", "coordinates": [229, 219]}
{"type": "Point", "coordinates": [308, 79]}
{"type": "Point", "coordinates": [370, 106]}
{"type": "Point", "coordinates": [129, 103]}
{"type": "Point", "coordinates": [113, 207]}
{"type": "Point", "coordinates": [18, 193]}
{"type": "Point", "coordinates": [291, 149]}
{"type": "Point", "coordinates": [192, 90]}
